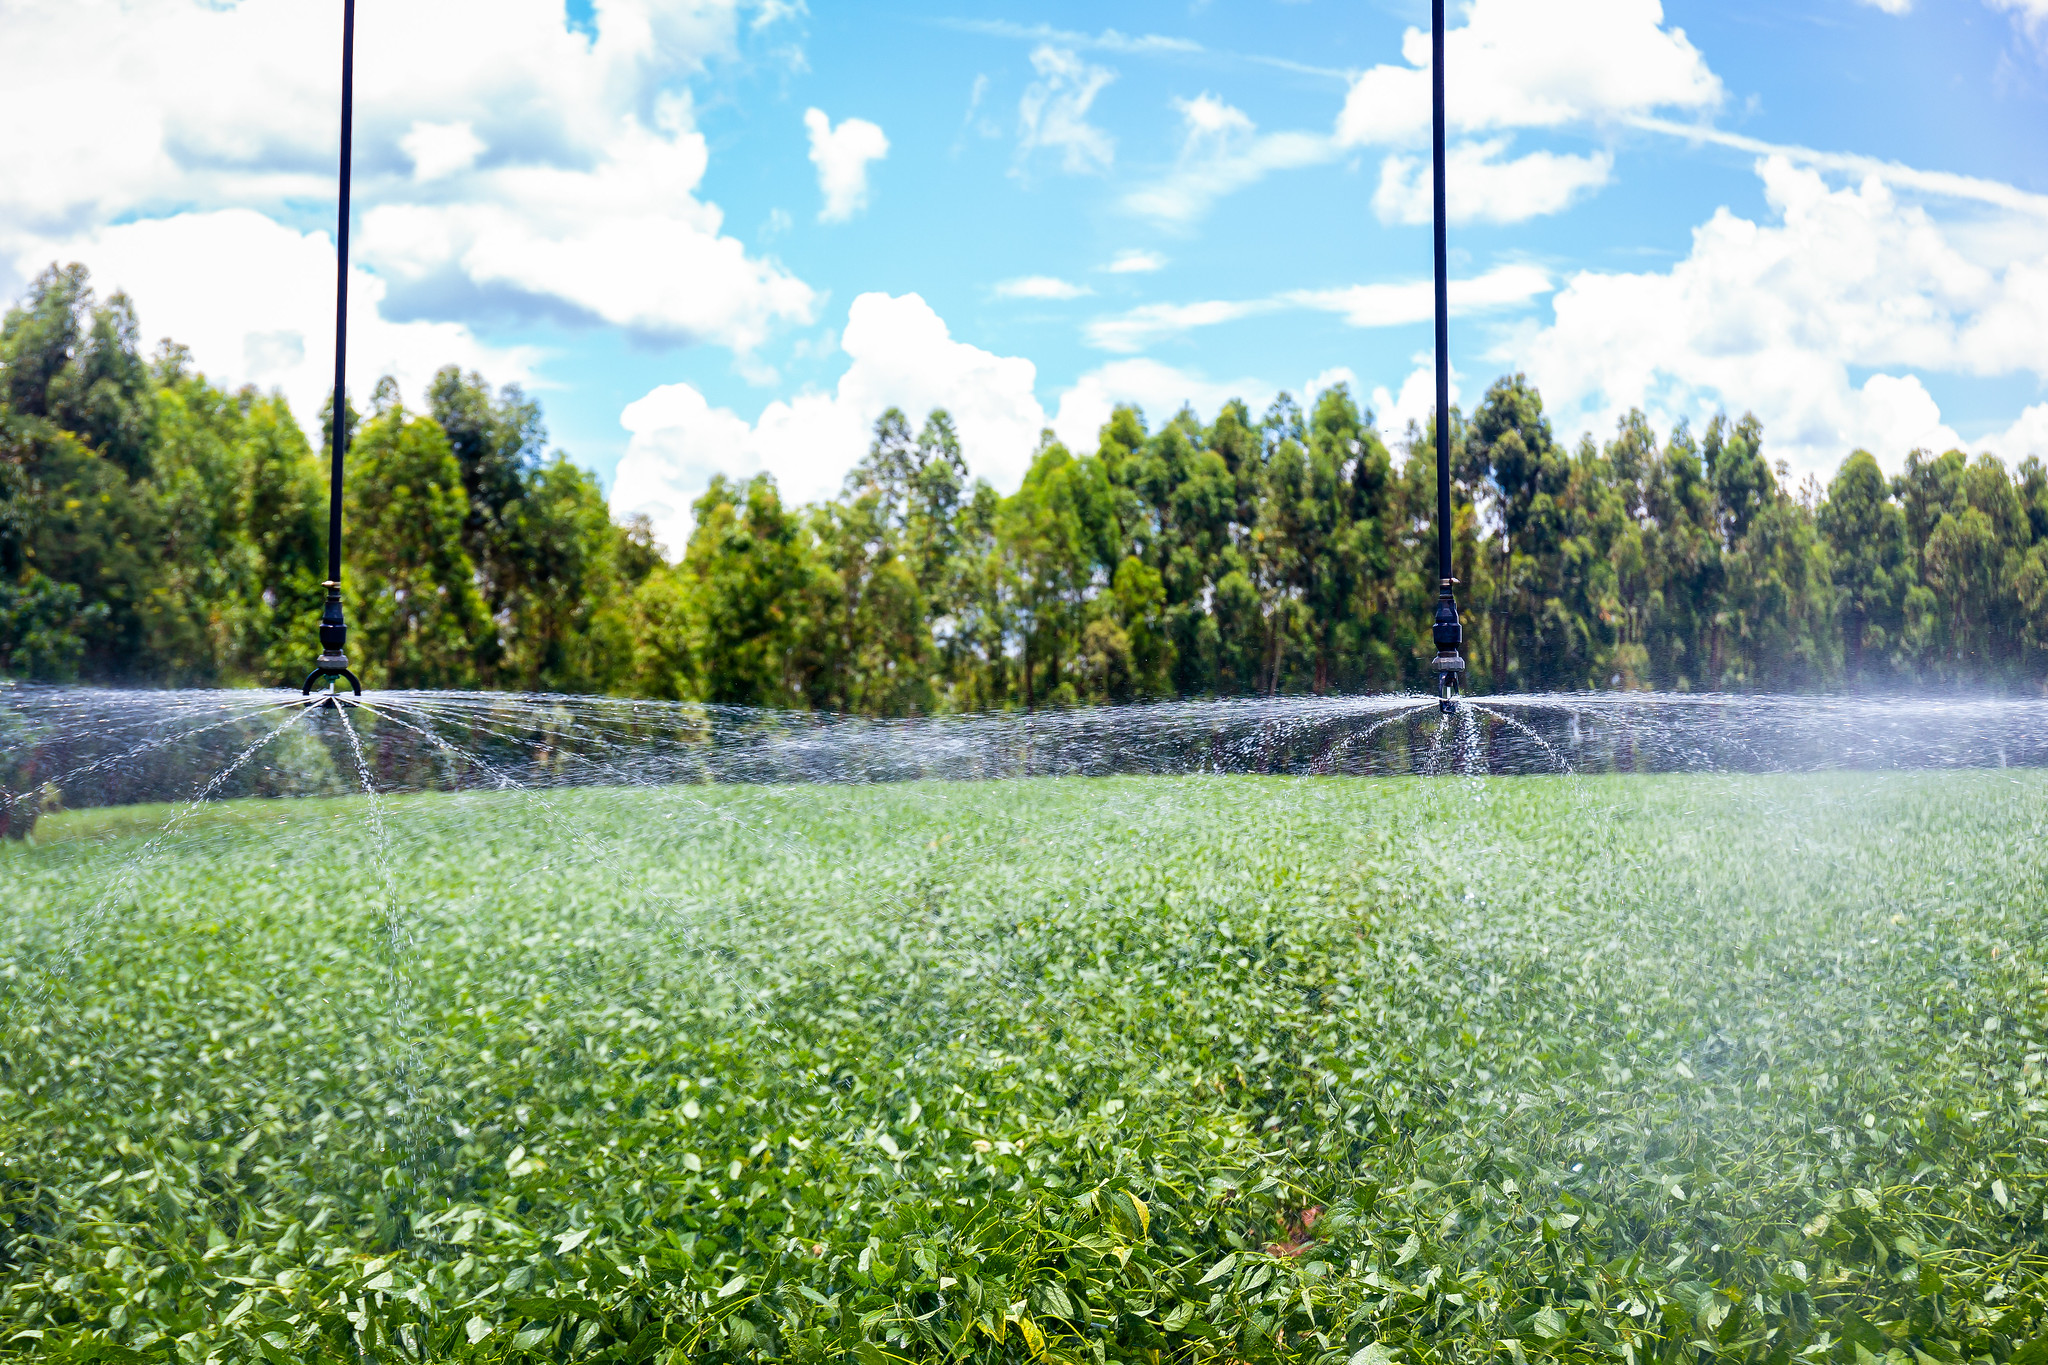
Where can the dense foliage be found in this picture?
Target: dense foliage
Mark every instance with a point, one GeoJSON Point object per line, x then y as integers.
{"type": "Point", "coordinates": [156, 528]}
{"type": "Point", "coordinates": [1226, 1068]}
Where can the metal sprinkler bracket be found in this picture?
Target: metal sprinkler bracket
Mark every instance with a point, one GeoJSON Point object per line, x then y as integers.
{"type": "Point", "coordinates": [333, 661]}
{"type": "Point", "coordinates": [1449, 665]}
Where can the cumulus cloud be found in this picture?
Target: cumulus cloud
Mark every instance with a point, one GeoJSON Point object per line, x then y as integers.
{"type": "Point", "coordinates": [502, 161]}
{"type": "Point", "coordinates": [1041, 287]}
{"type": "Point", "coordinates": [1416, 400]}
{"type": "Point", "coordinates": [1481, 186]}
{"type": "Point", "coordinates": [1160, 390]}
{"type": "Point", "coordinates": [842, 155]}
{"type": "Point", "coordinates": [900, 353]}
{"type": "Point", "coordinates": [1053, 112]}
{"type": "Point", "coordinates": [274, 327]}
{"type": "Point", "coordinates": [1892, 6]}
{"type": "Point", "coordinates": [1360, 305]}
{"type": "Point", "coordinates": [141, 133]}
{"type": "Point", "coordinates": [1513, 65]}
{"type": "Point", "coordinates": [622, 242]}
{"type": "Point", "coordinates": [1534, 64]}
{"type": "Point", "coordinates": [1783, 316]}
{"type": "Point", "coordinates": [441, 149]}
{"type": "Point", "coordinates": [1221, 152]}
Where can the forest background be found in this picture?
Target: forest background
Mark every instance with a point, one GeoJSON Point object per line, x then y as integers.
{"type": "Point", "coordinates": [157, 529]}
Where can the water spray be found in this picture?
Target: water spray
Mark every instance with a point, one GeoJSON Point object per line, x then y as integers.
{"type": "Point", "coordinates": [333, 662]}
{"type": "Point", "coordinates": [1449, 665]}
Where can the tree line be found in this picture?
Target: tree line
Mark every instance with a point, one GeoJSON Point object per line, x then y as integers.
{"type": "Point", "coordinates": [157, 528]}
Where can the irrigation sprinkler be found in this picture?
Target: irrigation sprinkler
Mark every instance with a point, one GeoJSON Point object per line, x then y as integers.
{"type": "Point", "coordinates": [333, 661]}
{"type": "Point", "coordinates": [1449, 665]}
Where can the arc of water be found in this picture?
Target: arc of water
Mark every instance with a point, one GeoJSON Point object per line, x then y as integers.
{"type": "Point", "coordinates": [74, 773]}
{"type": "Point", "coordinates": [1358, 737]}
{"type": "Point", "coordinates": [396, 953]}
{"type": "Point", "coordinates": [1555, 756]}
{"type": "Point", "coordinates": [124, 879]}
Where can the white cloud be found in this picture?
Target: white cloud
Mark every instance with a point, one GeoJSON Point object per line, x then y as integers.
{"type": "Point", "coordinates": [900, 354]}
{"type": "Point", "coordinates": [1141, 326]}
{"type": "Point", "coordinates": [1391, 305]}
{"type": "Point", "coordinates": [622, 242]}
{"type": "Point", "coordinates": [441, 149]}
{"type": "Point", "coordinates": [501, 160]}
{"type": "Point", "coordinates": [1514, 64]}
{"type": "Point", "coordinates": [1158, 389]}
{"type": "Point", "coordinates": [1109, 40]}
{"type": "Point", "coordinates": [1221, 152]}
{"type": "Point", "coordinates": [1041, 287]}
{"type": "Point", "coordinates": [842, 155]}
{"type": "Point", "coordinates": [1135, 262]}
{"type": "Point", "coordinates": [1893, 6]}
{"type": "Point", "coordinates": [1780, 317]}
{"type": "Point", "coordinates": [1361, 305]}
{"type": "Point", "coordinates": [1328, 379]}
{"type": "Point", "coordinates": [1942, 184]}
{"type": "Point", "coordinates": [1414, 403]}
{"type": "Point", "coordinates": [275, 327]}
{"type": "Point", "coordinates": [1053, 112]}
{"type": "Point", "coordinates": [1480, 187]}
{"type": "Point", "coordinates": [2030, 15]}
{"type": "Point", "coordinates": [142, 133]}
{"type": "Point", "coordinates": [1534, 64]}
{"type": "Point", "coordinates": [2026, 436]}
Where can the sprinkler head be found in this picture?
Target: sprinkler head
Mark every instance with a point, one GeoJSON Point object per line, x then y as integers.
{"type": "Point", "coordinates": [1450, 671]}
{"type": "Point", "coordinates": [1449, 665]}
{"type": "Point", "coordinates": [333, 660]}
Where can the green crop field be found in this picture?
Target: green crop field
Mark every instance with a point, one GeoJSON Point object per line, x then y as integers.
{"type": "Point", "coordinates": [1208, 1068]}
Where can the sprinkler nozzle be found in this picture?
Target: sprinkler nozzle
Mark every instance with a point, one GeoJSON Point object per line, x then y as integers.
{"type": "Point", "coordinates": [1448, 665]}
{"type": "Point", "coordinates": [333, 660]}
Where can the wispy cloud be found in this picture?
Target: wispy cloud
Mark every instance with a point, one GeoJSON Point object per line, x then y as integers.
{"type": "Point", "coordinates": [1108, 40]}
{"type": "Point", "coordinates": [1053, 112]}
{"type": "Point", "coordinates": [1135, 262]}
{"type": "Point", "coordinates": [1360, 305]}
{"type": "Point", "coordinates": [1041, 287]}
{"type": "Point", "coordinates": [1135, 330]}
{"type": "Point", "coordinates": [1393, 305]}
{"type": "Point", "coordinates": [1222, 151]}
{"type": "Point", "coordinates": [1945, 184]}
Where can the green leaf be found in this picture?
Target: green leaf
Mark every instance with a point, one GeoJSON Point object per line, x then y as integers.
{"type": "Point", "coordinates": [1220, 1269]}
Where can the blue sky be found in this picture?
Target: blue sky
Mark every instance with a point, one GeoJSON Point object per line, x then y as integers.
{"type": "Point", "coordinates": [721, 234]}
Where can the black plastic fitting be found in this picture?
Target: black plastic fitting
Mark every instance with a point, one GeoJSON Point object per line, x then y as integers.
{"type": "Point", "coordinates": [333, 661]}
